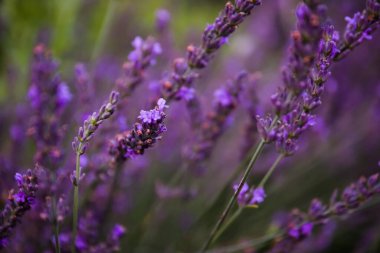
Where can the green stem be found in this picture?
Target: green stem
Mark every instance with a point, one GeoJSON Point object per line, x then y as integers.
{"type": "Point", "coordinates": [230, 204]}
{"type": "Point", "coordinates": [76, 200]}
{"type": "Point", "coordinates": [231, 220]}
{"type": "Point", "coordinates": [270, 171]}
{"type": "Point", "coordinates": [249, 244]}
{"type": "Point", "coordinates": [157, 205]}
{"type": "Point", "coordinates": [236, 214]}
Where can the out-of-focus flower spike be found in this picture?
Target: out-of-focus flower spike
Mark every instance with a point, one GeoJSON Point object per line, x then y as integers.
{"type": "Point", "coordinates": [18, 204]}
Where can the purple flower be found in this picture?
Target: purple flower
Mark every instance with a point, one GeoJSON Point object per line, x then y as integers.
{"type": "Point", "coordinates": [18, 204]}
{"type": "Point", "coordinates": [19, 179]}
{"type": "Point", "coordinates": [144, 134]}
{"type": "Point", "coordinates": [162, 19]}
{"type": "Point", "coordinates": [63, 95]}
{"type": "Point", "coordinates": [186, 93]}
{"type": "Point", "coordinates": [118, 231]}
{"type": "Point", "coordinates": [212, 127]}
{"type": "Point", "coordinates": [306, 229]}
{"type": "Point", "coordinates": [91, 124]}
{"type": "Point", "coordinates": [250, 196]}
{"type": "Point", "coordinates": [214, 36]}
{"type": "Point", "coordinates": [299, 225]}
{"type": "Point", "coordinates": [223, 97]}
{"type": "Point", "coordinates": [143, 56]}
{"type": "Point", "coordinates": [258, 196]}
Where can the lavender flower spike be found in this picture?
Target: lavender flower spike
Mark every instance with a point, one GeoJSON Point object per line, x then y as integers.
{"type": "Point", "coordinates": [300, 225]}
{"type": "Point", "coordinates": [360, 27]}
{"type": "Point", "coordinates": [143, 56]}
{"type": "Point", "coordinates": [225, 101]}
{"type": "Point", "coordinates": [214, 36]}
{"type": "Point", "coordinates": [145, 133]}
{"type": "Point", "coordinates": [18, 204]}
{"type": "Point", "coordinates": [90, 125]}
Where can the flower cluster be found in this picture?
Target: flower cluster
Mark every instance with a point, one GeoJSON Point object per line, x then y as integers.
{"type": "Point", "coordinates": [48, 96]}
{"type": "Point", "coordinates": [145, 133]}
{"type": "Point", "coordinates": [225, 101]}
{"type": "Point", "coordinates": [92, 123]}
{"type": "Point", "coordinates": [360, 27]}
{"type": "Point", "coordinates": [214, 36]}
{"type": "Point", "coordinates": [250, 196]}
{"type": "Point", "coordinates": [88, 239]}
{"type": "Point", "coordinates": [144, 55]}
{"type": "Point", "coordinates": [300, 225]}
{"type": "Point", "coordinates": [17, 204]}
{"type": "Point", "coordinates": [307, 71]}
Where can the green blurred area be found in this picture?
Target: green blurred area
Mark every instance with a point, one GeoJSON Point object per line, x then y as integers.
{"type": "Point", "coordinates": [83, 30]}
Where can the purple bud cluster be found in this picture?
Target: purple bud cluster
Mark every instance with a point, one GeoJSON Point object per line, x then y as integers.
{"type": "Point", "coordinates": [250, 196]}
{"type": "Point", "coordinates": [18, 204]}
{"type": "Point", "coordinates": [163, 18]}
{"type": "Point", "coordinates": [225, 101]}
{"type": "Point", "coordinates": [360, 27]}
{"type": "Point", "coordinates": [88, 240]}
{"type": "Point", "coordinates": [144, 55]}
{"type": "Point", "coordinates": [144, 134]}
{"type": "Point", "coordinates": [300, 225]}
{"type": "Point", "coordinates": [48, 96]}
{"type": "Point", "coordinates": [313, 50]}
{"type": "Point", "coordinates": [303, 53]}
{"type": "Point", "coordinates": [214, 36]}
{"type": "Point", "coordinates": [92, 123]}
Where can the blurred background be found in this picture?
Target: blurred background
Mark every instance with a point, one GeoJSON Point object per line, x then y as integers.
{"type": "Point", "coordinates": [343, 146]}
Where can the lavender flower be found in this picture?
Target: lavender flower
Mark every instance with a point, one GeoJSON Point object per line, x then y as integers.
{"type": "Point", "coordinates": [143, 56]}
{"type": "Point", "coordinates": [48, 96]}
{"type": "Point", "coordinates": [304, 77]}
{"type": "Point", "coordinates": [18, 204]}
{"type": "Point", "coordinates": [90, 125]}
{"type": "Point", "coordinates": [225, 102]}
{"type": "Point", "coordinates": [360, 27]}
{"type": "Point", "coordinates": [88, 237]}
{"type": "Point", "coordinates": [300, 225]}
{"type": "Point", "coordinates": [250, 196]}
{"type": "Point", "coordinates": [145, 133]}
{"type": "Point", "coordinates": [163, 18]}
{"type": "Point", "coordinates": [214, 36]}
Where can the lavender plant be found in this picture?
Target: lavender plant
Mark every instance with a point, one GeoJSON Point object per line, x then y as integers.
{"type": "Point", "coordinates": [131, 178]}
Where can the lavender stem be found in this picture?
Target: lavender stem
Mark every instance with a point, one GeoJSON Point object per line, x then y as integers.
{"type": "Point", "coordinates": [236, 214]}
{"type": "Point", "coordinates": [270, 171]}
{"type": "Point", "coordinates": [76, 198]}
{"type": "Point", "coordinates": [226, 211]}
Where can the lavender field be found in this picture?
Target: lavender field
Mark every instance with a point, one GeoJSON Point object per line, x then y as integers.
{"type": "Point", "coordinates": [182, 126]}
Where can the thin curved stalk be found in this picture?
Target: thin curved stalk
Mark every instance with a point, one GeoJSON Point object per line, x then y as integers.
{"type": "Point", "coordinates": [231, 202]}
{"type": "Point", "coordinates": [76, 200]}
{"type": "Point", "coordinates": [237, 213]}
